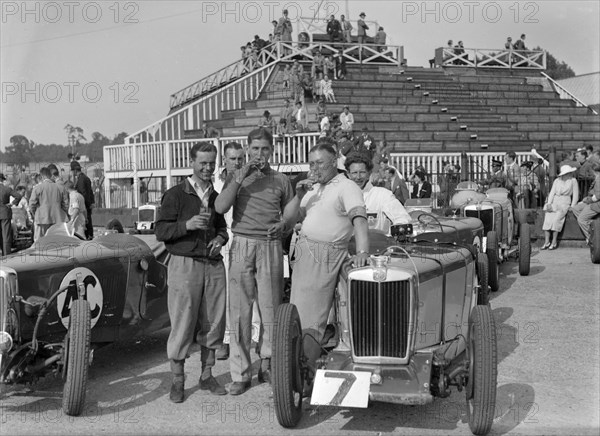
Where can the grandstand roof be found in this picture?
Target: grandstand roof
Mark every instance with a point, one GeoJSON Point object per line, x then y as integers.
{"type": "Point", "coordinates": [585, 87]}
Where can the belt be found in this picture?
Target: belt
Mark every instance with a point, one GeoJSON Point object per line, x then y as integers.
{"type": "Point", "coordinates": [340, 245]}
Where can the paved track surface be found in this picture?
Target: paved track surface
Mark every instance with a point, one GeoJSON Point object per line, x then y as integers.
{"type": "Point", "coordinates": [548, 335]}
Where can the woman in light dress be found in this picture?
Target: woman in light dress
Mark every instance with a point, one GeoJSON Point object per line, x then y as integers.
{"type": "Point", "coordinates": [564, 194]}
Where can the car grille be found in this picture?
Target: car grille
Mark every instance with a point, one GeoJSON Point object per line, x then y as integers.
{"type": "Point", "coordinates": [380, 315]}
{"type": "Point", "coordinates": [485, 215]}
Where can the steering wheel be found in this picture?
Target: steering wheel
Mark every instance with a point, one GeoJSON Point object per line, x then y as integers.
{"type": "Point", "coordinates": [433, 218]}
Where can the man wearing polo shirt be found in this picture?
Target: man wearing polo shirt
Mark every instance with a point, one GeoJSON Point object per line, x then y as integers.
{"type": "Point", "coordinates": [332, 209]}
{"type": "Point", "coordinates": [261, 199]}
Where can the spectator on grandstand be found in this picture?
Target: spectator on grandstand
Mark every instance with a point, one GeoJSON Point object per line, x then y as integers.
{"type": "Point", "coordinates": [421, 187]}
{"type": "Point", "coordinates": [508, 45]}
{"type": "Point", "coordinates": [588, 147]}
{"type": "Point", "coordinates": [334, 28]}
{"type": "Point", "coordinates": [317, 64]}
{"type": "Point", "coordinates": [340, 66]}
{"type": "Point", "coordinates": [317, 87]}
{"type": "Point", "coordinates": [347, 119]}
{"type": "Point", "coordinates": [296, 87]}
{"type": "Point", "coordinates": [367, 142]}
{"type": "Point", "coordinates": [298, 69]}
{"type": "Point", "coordinates": [349, 144]}
{"type": "Point", "coordinates": [564, 194]}
{"type": "Point", "coordinates": [276, 31]}
{"type": "Point", "coordinates": [382, 151]}
{"type": "Point", "coordinates": [362, 28]}
{"type": "Point", "coordinates": [208, 131]}
{"type": "Point", "coordinates": [307, 87]}
{"type": "Point", "coordinates": [259, 43]}
{"type": "Point", "coordinates": [267, 121]}
{"type": "Point", "coordinates": [329, 67]}
{"type": "Point", "coordinates": [285, 29]}
{"type": "Point", "coordinates": [520, 44]}
{"type": "Point", "coordinates": [286, 112]}
{"type": "Point", "coordinates": [286, 75]}
{"type": "Point", "coordinates": [346, 29]}
{"type": "Point", "coordinates": [595, 156]}
{"type": "Point", "coordinates": [380, 38]}
{"type": "Point", "coordinates": [321, 109]}
{"type": "Point", "coordinates": [459, 52]}
{"type": "Point", "coordinates": [300, 115]}
{"type": "Point", "coordinates": [326, 86]}
{"type": "Point", "coordinates": [325, 126]}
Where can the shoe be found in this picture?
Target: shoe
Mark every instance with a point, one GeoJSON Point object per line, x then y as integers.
{"type": "Point", "coordinates": [552, 247]}
{"type": "Point", "coordinates": [176, 394]}
{"type": "Point", "coordinates": [211, 384]}
{"type": "Point", "coordinates": [238, 388]}
{"type": "Point", "coordinates": [264, 372]}
{"type": "Point", "coordinates": [223, 352]}
{"type": "Point", "coordinates": [545, 246]}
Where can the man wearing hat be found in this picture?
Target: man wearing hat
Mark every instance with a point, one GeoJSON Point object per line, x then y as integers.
{"type": "Point", "coordinates": [83, 185]}
{"type": "Point", "coordinates": [529, 184]}
{"type": "Point", "coordinates": [497, 179]}
{"type": "Point", "coordinates": [362, 29]}
{"type": "Point", "coordinates": [6, 233]}
{"type": "Point", "coordinates": [285, 28]}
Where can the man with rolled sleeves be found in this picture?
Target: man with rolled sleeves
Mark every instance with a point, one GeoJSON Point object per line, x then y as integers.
{"type": "Point", "coordinates": [332, 209]}
{"type": "Point", "coordinates": [261, 199]}
{"type": "Point", "coordinates": [194, 233]}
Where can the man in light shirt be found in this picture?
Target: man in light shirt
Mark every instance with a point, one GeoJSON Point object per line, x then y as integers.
{"type": "Point", "coordinates": [383, 208]}
{"type": "Point", "coordinates": [347, 119]}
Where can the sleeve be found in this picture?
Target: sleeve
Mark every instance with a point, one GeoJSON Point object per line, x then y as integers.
{"type": "Point", "coordinates": [287, 194]}
{"type": "Point", "coordinates": [575, 198]}
{"type": "Point", "coordinates": [168, 225]}
{"type": "Point", "coordinates": [552, 192]}
{"type": "Point", "coordinates": [65, 200]}
{"type": "Point", "coordinates": [353, 201]}
{"type": "Point", "coordinates": [33, 200]}
{"type": "Point", "coordinates": [393, 209]}
{"type": "Point", "coordinates": [221, 227]}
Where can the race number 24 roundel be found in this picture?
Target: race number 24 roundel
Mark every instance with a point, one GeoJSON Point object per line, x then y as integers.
{"type": "Point", "coordinates": [93, 294]}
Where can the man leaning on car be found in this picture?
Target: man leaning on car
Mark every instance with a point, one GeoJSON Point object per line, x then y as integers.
{"type": "Point", "coordinates": [194, 233]}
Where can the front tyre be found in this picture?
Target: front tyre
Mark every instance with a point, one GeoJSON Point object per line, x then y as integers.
{"type": "Point", "coordinates": [595, 241]}
{"type": "Point", "coordinates": [483, 295]}
{"type": "Point", "coordinates": [524, 249]}
{"type": "Point", "coordinates": [491, 249]}
{"type": "Point", "coordinates": [483, 370]}
{"type": "Point", "coordinates": [78, 358]}
{"type": "Point", "coordinates": [286, 366]}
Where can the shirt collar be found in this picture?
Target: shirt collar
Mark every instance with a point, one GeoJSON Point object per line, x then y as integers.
{"type": "Point", "coordinates": [368, 187]}
{"type": "Point", "coordinates": [196, 187]}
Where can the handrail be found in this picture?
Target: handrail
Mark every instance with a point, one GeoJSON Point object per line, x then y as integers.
{"type": "Point", "coordinates": [564, 93]}
{"type": "Point", "coordinates": [283, 50]}
{"type": "Point", "coordinates": [490, 58]}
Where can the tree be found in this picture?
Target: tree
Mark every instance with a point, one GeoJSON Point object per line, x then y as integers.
{"type": "Point", "coordinates": [119, 139]}
{"type": "Point", "coordinates": [19, 152]}
{"type": "Point", "coordinates": [555, 68]}
{"type": "Point", "coordinates": [94, 148]}
{"type": "Point", "coordinates": [74, 137]}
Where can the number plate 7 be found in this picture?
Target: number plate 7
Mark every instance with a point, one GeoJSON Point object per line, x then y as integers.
{"type": "Point", "coordinates": [341, 388]}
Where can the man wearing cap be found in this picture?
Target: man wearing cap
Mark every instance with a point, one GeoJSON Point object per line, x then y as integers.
{"type": "Point", "coordinates": [347, 119]}
{"type": "Point", "coordinates": [589, 208]}
{"type": "Point", "coordinates": [194, 232]}
{"type": "Point", "coordinates": [362, 28]}
{"type": "Point", "coordinates": [497, 179]}
{"type": "Point", "coordinates": [83, 185]}
{"type": "Point", "coordinates": [6, 233]}
{"type": "Point", "coordinates": [49, 204]}
{"type": "Point", "coordinates": [585, 174]}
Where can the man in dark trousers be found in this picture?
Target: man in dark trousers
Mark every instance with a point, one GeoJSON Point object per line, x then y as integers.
{"type": "Point", "coordinates": [334, 29]}
{"type": "Point", "coordinates": [83, 185]}
{"type": "Point", "coordinates": [6, 233]}
{"type": "Point", "coordinates": [194, 233]}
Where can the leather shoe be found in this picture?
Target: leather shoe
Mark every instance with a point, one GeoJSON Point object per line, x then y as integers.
{"type": "Point", "coordinates": [223, 352]}
{"type": "Point", "coordinates": [238, 388]}
{"type": "Point", "coordinates": [264, 376]}
{"type": "Point", "coordinates": [211, 384]}
{"type": "Point", "coordinates": [176, 394]}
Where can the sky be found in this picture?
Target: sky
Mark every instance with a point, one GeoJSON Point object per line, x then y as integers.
{"type": "Point", "coordinates": [110, 66]}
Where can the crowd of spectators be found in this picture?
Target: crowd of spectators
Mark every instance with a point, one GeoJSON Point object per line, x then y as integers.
{"type": "Point", "coordinates": [47, 198]}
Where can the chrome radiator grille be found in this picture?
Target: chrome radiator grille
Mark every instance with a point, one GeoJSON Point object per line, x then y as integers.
{"type": "Point", "coordinates": [485, 215]}
{"type": "Point", "coordinates": [380, 314]}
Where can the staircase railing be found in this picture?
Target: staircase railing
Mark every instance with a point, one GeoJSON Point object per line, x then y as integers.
{"type": "Point", "coordinates": [566, 94]}
{"type": "Point", "coordinates": [490, 58]}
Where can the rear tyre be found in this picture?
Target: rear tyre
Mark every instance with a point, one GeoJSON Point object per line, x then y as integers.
{"type": "Point", "coordinates": [483, 370]}
{"type": "Point", "coordinates": [483, 295]}
{"type": "Point", "coordinates": [595, 241]}
{"type": "Point", "coordinates": [286, 366]}
{"type": "Point", "coordinates": [78, 358]}
{"type": "Point", "coordinates": [524, 249]}
{"type": "Point", "coordinates": [491, 249]}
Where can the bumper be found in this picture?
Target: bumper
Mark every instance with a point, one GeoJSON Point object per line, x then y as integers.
{"type": "Point", "coordinates": [400, 384]}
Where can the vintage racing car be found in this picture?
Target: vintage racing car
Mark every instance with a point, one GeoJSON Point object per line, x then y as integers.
{"type": "Point", "coordinates": [506, 233]}
{"type": "Point", "coordinates": [147, 216]}
{"type": "Point", "coordinates": [63, 297]}
{"type": "Point", "coordinates": [407, 327]}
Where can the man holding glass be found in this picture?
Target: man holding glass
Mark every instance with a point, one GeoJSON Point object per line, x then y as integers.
{"type": "Point", "coordinates": [194, 233]}
{"type": "Point", "coordinates": [261, 199]}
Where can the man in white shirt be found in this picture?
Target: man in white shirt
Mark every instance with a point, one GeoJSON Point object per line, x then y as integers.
{"type": "Point", "coordinates": [383, 208]}
{"type": "Point", "coordinates": [347, 119]}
